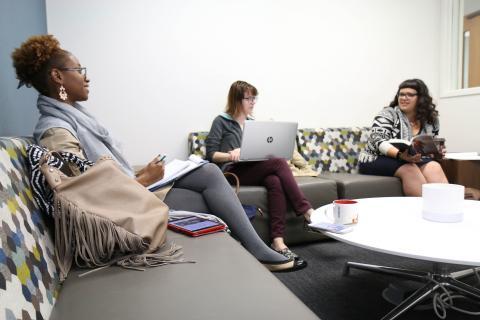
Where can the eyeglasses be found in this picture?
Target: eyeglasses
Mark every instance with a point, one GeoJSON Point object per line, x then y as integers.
{"type": "Point", "coordinates": [81, 70]}
{"type": "Point", "coordinates": [407, 95]}
{"type": "Point", "coordinates": [251, 99]}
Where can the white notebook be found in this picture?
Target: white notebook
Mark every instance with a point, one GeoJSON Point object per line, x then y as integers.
{"type": "Point", "coordinates": [176, 169]}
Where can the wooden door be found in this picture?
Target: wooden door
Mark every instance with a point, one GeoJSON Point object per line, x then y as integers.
{"type": "Point", "coordinates": [472, 24]}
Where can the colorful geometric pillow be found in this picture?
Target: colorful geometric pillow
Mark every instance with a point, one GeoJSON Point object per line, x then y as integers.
{"type": "Point", "coordinates": [28, 275]}
{"type": "Point", "coordinates": [332, 149]}
{"type": "Point", "coordinates": [196, 143]}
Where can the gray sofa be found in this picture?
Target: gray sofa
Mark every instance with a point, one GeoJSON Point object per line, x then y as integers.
{"type": "Point", "coordinates": [224, 282]}
{"type": "Point", "coordinates": [334, 152]}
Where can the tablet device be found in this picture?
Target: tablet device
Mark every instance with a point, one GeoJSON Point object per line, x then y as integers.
{"type": "Point", "coordinates": [194, 226]}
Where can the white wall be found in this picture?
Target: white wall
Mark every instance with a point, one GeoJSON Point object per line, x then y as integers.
{"type": "Point", "coordinates": [460, 122]}
{"type": "Point", "coordinates": [160, 69]}
{"type": "Point", "coordinates": [459, 108]}
{"type": "Point", "coordinates": [471, 6]}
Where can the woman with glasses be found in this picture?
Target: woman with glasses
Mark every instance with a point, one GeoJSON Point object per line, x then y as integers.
{"type": "Point", "coordinates": [223, 147]}
{"type": "Point", "coordinates": [65, 125]}
{"type": "Point", "coordinates": [411, 112]}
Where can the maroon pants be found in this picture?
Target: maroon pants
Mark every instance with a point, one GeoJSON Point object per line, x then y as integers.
{"type": "Point", "coordinates": [277, 177]}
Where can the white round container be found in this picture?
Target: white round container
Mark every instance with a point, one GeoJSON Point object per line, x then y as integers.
{"type": "Point", "coordinates": [443, 202]}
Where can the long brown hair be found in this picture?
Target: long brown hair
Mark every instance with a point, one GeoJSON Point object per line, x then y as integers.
{"type": "Point", "coordinates": [236, 94]}
{"type": "Point", "coordinates": [426, 111]}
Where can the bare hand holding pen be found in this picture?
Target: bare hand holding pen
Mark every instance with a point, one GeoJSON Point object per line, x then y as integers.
{"type": "Point", "coordinates": [153, 172]}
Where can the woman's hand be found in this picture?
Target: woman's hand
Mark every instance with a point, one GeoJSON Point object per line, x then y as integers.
{"type": "Point", "coordinates": [405, 156]}
{"type": "Point", "coordinates": [234, 155]}
{"type": "Point", "coordinates": [153, 172]}
{"type": "Point", "coordinates": [442, 150]}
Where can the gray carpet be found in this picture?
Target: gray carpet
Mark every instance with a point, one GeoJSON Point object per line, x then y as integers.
{"type": "Point", "coordinates": [332, 296]}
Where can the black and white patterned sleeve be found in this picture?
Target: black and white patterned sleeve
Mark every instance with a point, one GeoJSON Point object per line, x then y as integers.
{"type": "Point", "coordinates": [383, 128]}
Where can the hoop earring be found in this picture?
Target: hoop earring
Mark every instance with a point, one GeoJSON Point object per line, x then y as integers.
{"type": "Point", "coordinates": [62, 93]}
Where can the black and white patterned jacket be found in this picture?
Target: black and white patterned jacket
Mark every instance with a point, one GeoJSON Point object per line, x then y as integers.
{"type": "Point", "coordinates": [42, 193]}
{"type": "Point", "coordinates": [391, 123]}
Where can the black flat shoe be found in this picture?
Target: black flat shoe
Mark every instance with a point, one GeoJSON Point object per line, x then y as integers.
{"type": "Point", "coordinates": [298, 264]}
{"type": "Point", "coordinates": [282, 266]}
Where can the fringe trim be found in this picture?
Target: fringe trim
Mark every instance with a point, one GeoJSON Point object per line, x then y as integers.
{"type": "Point", "coordinates": [172, 255]}
{"type": "Point", "coordinates": [93, 241]}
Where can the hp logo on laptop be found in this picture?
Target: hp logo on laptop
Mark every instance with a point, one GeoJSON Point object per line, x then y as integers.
{"type": "Point", "coordinates": [270, 139]}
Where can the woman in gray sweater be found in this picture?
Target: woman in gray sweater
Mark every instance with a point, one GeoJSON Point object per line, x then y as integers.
{"type": "Point", "coordinates": [223, 147]}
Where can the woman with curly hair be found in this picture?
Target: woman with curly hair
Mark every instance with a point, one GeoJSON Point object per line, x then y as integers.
{"type": "Point", "coordinates": [411, 112]}
{"type": "Point", "coordinates": [65, 125]}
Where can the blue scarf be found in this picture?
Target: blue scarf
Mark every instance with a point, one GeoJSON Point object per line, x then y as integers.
{"type": "Point", "coordinates": [94, 138]}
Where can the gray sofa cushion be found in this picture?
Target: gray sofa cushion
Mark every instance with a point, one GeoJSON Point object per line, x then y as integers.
{"type": "Point", "coordinates": [354, 186]}
{"type": "Point", "coordinates": [226, 282]}
{"type": "Point", "coordinates": [317, 191]}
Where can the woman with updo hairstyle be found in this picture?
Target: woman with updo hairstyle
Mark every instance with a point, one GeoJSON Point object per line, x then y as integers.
{"type": "Point", "coordinates": [33, 62]}
{"type": "Point", "coordinates": [65, 125]}
{"type": "Point", "coordinates": [411, 112]}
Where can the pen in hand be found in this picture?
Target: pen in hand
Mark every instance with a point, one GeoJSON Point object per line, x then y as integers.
{"type": "Point", "coordinates": [160, 158]}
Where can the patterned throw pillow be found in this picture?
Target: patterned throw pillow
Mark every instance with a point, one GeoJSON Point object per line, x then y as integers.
{"type": "Point", "coordinates": [28, 274]}
{"type": "Point", "coordinates": [196, 143]}
{"type": "Point", "coordinates": [332, 149]}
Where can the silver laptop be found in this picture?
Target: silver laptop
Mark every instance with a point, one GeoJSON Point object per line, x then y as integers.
{"type": "Point", "coordinates": [263, 140]}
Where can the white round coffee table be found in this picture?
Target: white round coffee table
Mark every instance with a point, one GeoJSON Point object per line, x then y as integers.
{"type": "Point", "coordinates": [396, 226]}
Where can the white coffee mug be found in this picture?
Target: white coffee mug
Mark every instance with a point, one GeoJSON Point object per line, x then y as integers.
{"type": "Point", "coordinates": [345, 211]}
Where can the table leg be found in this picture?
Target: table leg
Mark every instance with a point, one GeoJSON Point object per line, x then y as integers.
{"type": "Point", "coordinates": [411, 301]}
{"type": "Point", "coordinates": [438, 279]}
{"type": "Point", "coordinates": [464, 273]}
{"type": "Point", "coordinates": [406, 273]}
{"type": "Point", "coordinates": [463, 288]}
